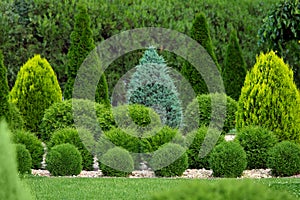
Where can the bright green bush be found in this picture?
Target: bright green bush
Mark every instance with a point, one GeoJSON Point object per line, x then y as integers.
{"type": "Point", "coordinates": [256, 142]}
{"type": "Point", "coordinates": [270, 98]}
{"type": "Point", "coordinates": [64, 160]}
{"type": "Point", "coordinates": [284, 159]}
{"type": "Point", "coordinates": [35, 90]}
{"type": "Point", "coordinates": [223, 189]}
{"type": "Point", "coordinates": [116, 162]}
{"type": "Point", "coordinates": [234, 69]}
{"type": "Point", "coordinates": [199, 112]}
{"type": "Point", "coordinates": [23, 159]}
{"type": "Point", "coordinates": [33, 144]}
{"type": "Point", "coordinates": [75, 137]}
{"type": "Point", "coordinates": [14, 118]}
{"type": "Point", "coordinates": [228, 159]}
{"type": "Point", "coordinates": [169, 160]}
{"type": "Point", "coordinates": [195, 141]}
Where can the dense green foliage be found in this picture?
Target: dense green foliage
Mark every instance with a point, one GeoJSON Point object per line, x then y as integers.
{"type": "Point", "coordinates": [284, 159]}
{"type": "Point", "coordinates": [196, 140]}
{"type": "Point", "coordinates": [23, 159]}
{"type": "Point", "coordinates": [15, 120]}
{"type": "Point", "coordinates": [36, 89]}
{"type": "Point", "coordinates": [270, 98]}
{"type": "Point", "coordinates": [32, 143]}
{"type": "Point", "coordinates": [64, 160]}
{"type": "Point", "coordinates": [234, 69]}
{"type": "Point", "coordinates": [228, 159]}
{"type": "Point", "coordinates": [73, 136]}
{"type": "Point", "coordinates": [169, 160]}
{"type": "Point", "coordinates": [256, 142]}
{"type": "Point", "coordinates": [199, 112]}
{"type": "Point", "coordinates": [4, 89]}
{"type": "Point", "coordinates": [116, 162]}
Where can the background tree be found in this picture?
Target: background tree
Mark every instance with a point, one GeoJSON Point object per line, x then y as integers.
{"type": "Point", "coordinates": [234, 69]}
{"type": "Point", "coordinates": [4, 90]}
{"type": "Point", "coordinates": [270, 98]}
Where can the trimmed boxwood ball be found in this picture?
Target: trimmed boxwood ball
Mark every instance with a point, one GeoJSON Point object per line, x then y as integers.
{"type": "Point", "coordinates": [284, 159]}
{"type": "Point", "coordinates": [169, 160]}
{"type": "Point", "coordinates": [32, 143]}
{"type": "Point", "coordinates": [223, 189]}
{"type": "Point", "coordinates": [256, 142]}
{"type": "Point", "coordinates": [71, 136]}
{"type": "Point", "coordinates": [116, 162]}
{"type": "Point", "coordinates": [23, 159]}
{"type": "Point", "coordinates": [64, 160]}
{"type": "Point", "coordinates": [195, 141]}
{"type": "Point", "coordinates": [228, 159]}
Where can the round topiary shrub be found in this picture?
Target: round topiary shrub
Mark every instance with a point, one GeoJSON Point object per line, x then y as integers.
{"type": "Point", "coordinates": [116, 162]}
{"type": "Point", "coordinates": [284, 159]}
{"type": "Point", "coordinates": [64, 160]}
{"type": "Point", "coordinates": [32, 143]}
{"type": "Point", "coordinates": [23, 159]}
{"type": "Point", "coordinates": [199, 112]}
{"type": "Point", "coordinates": [75, 137]}
{"type": "Point", "coordinates": [169, 160]}
{"type": "Point", "coordinates": [228, 159]}
{"type": "Point", "coordinates": [196, 140]}
{"type": "Point", "coordinates": [223, 189]}
{"type": "Point", "coordinates": [256, 142]}
{"type": "Point", "coordinates": [61, 115]}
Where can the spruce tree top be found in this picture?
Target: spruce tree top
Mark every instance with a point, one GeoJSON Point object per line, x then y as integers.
{"type": "Point", "coordinates": [151, 56]}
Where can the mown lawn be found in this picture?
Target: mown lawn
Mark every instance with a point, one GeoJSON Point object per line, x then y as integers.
{"type": "Point", "coordinates": [125, 188]}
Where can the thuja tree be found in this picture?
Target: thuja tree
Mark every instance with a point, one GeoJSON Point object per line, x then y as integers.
{"type": "Point", "coordinates": [4, 90]}
{"type": "Point", "coordinates": [35, 90]}
{"type": "Point", "coordinates": [270, 99]}
{"type": "Point", "coordinates": [200, 33]}
{"type": "Point", "coordinates": [82, 44]}
{"type": "Point", "coordinates": [234, 69]}
{"type": "Point", "coordinates": [152, 86]}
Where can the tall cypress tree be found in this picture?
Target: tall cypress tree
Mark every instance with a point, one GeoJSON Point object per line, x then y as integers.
{"type": "Point", "coordinates": [200, 33]}
{"type": "Point", "coordinates": [82, 43]}
{"type": "Point", "coordinates": [4, 90]}
{"type": "Point", "coordinates": [234, 71]}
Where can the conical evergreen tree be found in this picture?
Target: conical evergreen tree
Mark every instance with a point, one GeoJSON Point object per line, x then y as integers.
{"type": "Point", "coordinates": [4, 90]}
{"type": "Point", "coordinates": [234, 71]}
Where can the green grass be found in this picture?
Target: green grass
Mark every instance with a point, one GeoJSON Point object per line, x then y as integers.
{"type": "Point", "coordinates": [125, 188]}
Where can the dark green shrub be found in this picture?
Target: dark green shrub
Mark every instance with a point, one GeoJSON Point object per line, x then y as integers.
{"type": "Point", "coordinates": [60, 115]}
{"type": "Point", "coordinates": [228, 159]}
{"type": "Point", "coordinates": [270, 99]}
{"type": "Point", "coordinates": [235, 69]}
{"type": "Point", "coordinates": [169, 160]}
{"type": "Point", "coordinates": [199, 112]}
{"type": "Point", "coordinates": [64, 160]}
{"type": "Point", "coordinates": [33, 144]}
{"type": "Point", "coordinates": [75, 137]}
{"type": "Point", "coordinates": [256, 142]}
{"type": "Point", "coordinates": [116, 162]}
{"type": "Point", "coordinates": [223, 189]}
{"type": "Point", "coordinates": [195, 141]}
{"type": "Point", "coordinates": [284, 159]}
{"type": "Point", "coordinates": [4, 89]}
{"type": "Point", "coordinates": [23, 159]}
{"type": "Point", "coordinates": [35, 90]}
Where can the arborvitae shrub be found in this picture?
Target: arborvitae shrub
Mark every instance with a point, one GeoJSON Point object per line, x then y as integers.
{"type": "Point", "coordinates": [234, 70]}
{"type": "Point", "coordinates": [23, 159]}
{"type": "Point", "coordinates": [64, 160]}
{"type": "Point", "coordinates": [284, 159]}
{"type": "Point", "coordinates": [14, 118]}
{"type": "Point", "coordinates": [223, 189]}
{"type": "Point", "coordinates": [4, 89]}
{"type": "Point", "coordinates": [60, 115]}
{"type": "Point", "coordinates": [116, 162]}
{"type": "Point", "coordinates": [35, 90]}
{"type": "Point", "coordinates": [75, 137]}
{"type": "Point", "coordinates": [199, 112]}
{"type": "Point", "coordinates": [270, 98]}
{"type": "Point", "coordinates": [196, 140]}
{"type": "Point", "coordinates": [256, 142]}
{"type": "Point", "coordinates": [33, 144]}
{"type": "Point", "coordinates": [228, 159]}
{"type": "Point", "coordinates": [169, 160]}
{"type": "Point", "coordinates": [151, 85]}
